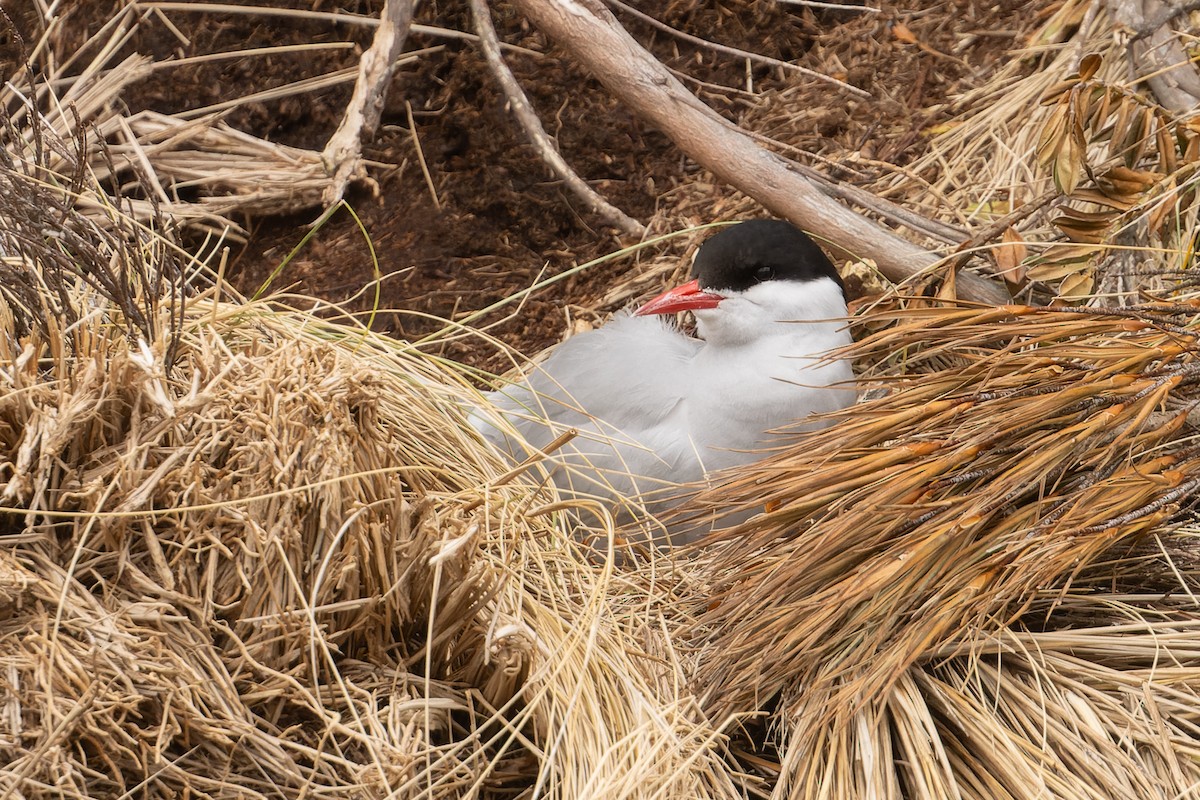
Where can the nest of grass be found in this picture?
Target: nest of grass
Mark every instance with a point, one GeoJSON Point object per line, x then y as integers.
{"type": "Point", "coordinates": [248, 551]}
{"type": "Point", "coordinates": [251, 550]}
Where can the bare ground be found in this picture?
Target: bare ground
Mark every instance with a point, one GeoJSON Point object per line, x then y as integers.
{"type": "Point", "coordinates": [490, 220]}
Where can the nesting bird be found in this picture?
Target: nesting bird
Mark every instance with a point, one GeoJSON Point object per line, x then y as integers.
{"type": "Point", "coordinates": [654, 407]}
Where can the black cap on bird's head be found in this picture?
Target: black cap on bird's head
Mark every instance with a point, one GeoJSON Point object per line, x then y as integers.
{"type": "Point", "coordinates": [757, 251]}
{"type": "Point", "coordinates": [743, 256]}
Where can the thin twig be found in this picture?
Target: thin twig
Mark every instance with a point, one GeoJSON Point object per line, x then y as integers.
{"type": "Point", "coordinates": [333, 17]}
{"type": "Point", "coordinates": [734, 51]}
{"type": "Point", "coordinates": [833, 6]}
{"type": "Point", "coordinates": [541, 141]}
{"type": "Point", "coordinates": [412, 128]}
{"type": "Point", "coordinates": [967, 248]}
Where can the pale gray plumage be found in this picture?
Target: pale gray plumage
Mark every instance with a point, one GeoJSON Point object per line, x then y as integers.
{"type": "Point", "coordinates": [655, 407]}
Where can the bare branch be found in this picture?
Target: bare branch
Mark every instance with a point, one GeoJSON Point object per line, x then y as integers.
{"type": "Point", "coordinates": [541, 141]}
{"type": "Point", "coordinates": [1158, 54]}
{"type": "Point", "coordinates": [1164, 15]}
{"type": "Point", "coordinates": [734, 51]}
{"type": "Point", "coordinates": [343, 154]}
{"type": "Point", "coordinates": [591, 33]}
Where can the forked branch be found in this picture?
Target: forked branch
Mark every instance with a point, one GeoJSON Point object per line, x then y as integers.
{"type": "Point", "coordinates": [590, 32]}
{"type": "Point", "coordinates": [343, 153]}
{"type": "Point", "coordinates": [541, 140]}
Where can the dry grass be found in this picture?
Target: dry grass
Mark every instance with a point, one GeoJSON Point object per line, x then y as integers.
{"type": "Point", "coordinates": [200, 171]}
{"type": "Point", "coordinates": [1074, 160]}
{"type": "Point", "coordinates": [250, 550]}
{"type": "Point", "coordinates": [225, 578]}
{"type": "Point", "coordinates": [906, 584]}
{"type": "Point", "coordinates": [253, 552]}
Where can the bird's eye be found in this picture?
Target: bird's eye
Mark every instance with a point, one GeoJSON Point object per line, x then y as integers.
{"type": "Point", "coordinates": [764, 274]}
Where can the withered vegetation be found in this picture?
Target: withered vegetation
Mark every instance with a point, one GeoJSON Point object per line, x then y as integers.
{"type": "Point", "coordinates": [250, 547]}
{"type": "Point", "coordinates": [251, 551]}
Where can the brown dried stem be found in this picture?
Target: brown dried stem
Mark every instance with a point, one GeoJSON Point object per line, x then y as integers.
{"type": "Point", "coordinates": [538, 137]}
{"type": "Point", "coordinates": [343, 153]}
{"type": "Point", "coordinates": [593, 35]}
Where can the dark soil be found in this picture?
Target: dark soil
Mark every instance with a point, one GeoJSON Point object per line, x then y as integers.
{"type": "Point", "coordinates": [499, 220]}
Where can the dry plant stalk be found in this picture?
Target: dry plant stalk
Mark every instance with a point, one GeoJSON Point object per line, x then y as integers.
{"type": "Point", "coordinates": [251, 552]}
{"type": "Point", "coordinates": [1026, 445]}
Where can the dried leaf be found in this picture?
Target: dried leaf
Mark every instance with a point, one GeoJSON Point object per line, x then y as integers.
{"type": "Point", "coordinates": [1088, 66]}
{"type": "Point", "coordinates": [1060, 260]}
{"type": "Point", "coordinates": [1056, 91]}
{"type": "Point", "coordinates": [948, 291]}
{"type": "Point", "coordinates": [1062, 145]}
{"type": "Point", "coordinates": [1010, 254]}
{"type": "Point", "coordinates": [1068, 165]}
{"type": "Point", "coordinates": [1084, 217]}
{"type": "Point", "coordinates": [1082, 110]}
{"type": "Point", "coordinates": [1126, 181]}
{"type": "Point", "coordinates": [1085, 226]}
{"type": "Point", "coordinates": [1077, 285]}
{"type": "Point", "coordinates": [1076, 151]}
{"type": "Point", "coordinates": [1167, 161]}
{"type": "Point", "coordinates": [1143, 130]}
{"type": "Point", "coordinates": [1106, 197]}
{"type": "Point", "coordinates": [1052, 135]}
{"type": "Point", "coordinates": [1050, 273]}
{"type": "Point", "coordinates": [1102, 104]}
{"type": "Point", "coordinates": [1120, 129]}
{"type": "Point", "coordinates": [1191, 151]}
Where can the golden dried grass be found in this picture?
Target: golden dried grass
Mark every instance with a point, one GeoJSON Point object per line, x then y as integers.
{"type": "Point", "coordinates": [1067, 155]}
{"type": "Point", "coordinates": [912, 593]}
{"type": "Point", "coordinates": [248, 551]}
{"type": "Point", "coordinates": [224, 577]}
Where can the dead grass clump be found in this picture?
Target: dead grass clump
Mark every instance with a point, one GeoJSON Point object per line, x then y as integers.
{"type": "Point", "coordinates": [203, 172]}
{"type": "Point", "coordinates": [910, 593]}
{"type": "Point", "coordinates": [248, 551]}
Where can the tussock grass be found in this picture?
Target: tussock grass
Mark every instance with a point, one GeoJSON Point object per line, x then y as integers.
{"type": "Point", "coordinates": [249, 550]}
{"type": "Point", "coordinates": [915, 589]}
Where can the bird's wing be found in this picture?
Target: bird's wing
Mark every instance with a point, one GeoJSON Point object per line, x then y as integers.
{"type": "Point", "coordinates": [622, 379]}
